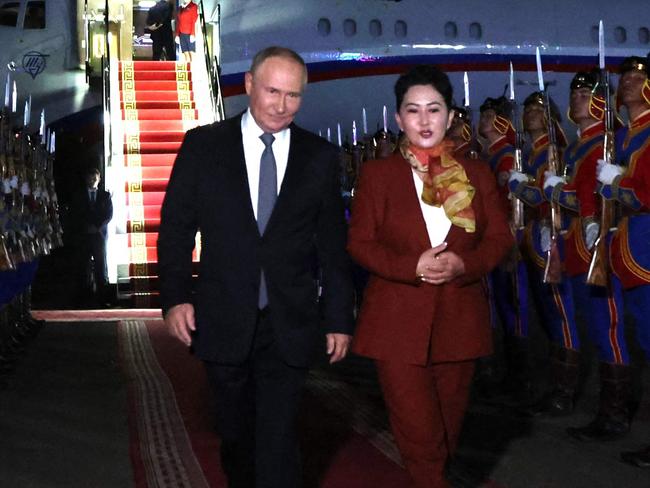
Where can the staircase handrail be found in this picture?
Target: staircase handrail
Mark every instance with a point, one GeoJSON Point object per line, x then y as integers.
{"type": "Point", "coordinates": [213, 67]}
{"type": "Point", "coordinates": [106, 91]}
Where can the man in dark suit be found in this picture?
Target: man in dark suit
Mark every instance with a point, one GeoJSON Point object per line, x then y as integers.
{"type": "Point", "coordinates": [254, 319]}
{"type": "Point", "coordinates": [91, 211]}
{"type": "Point", "coordinates": [159, 24]}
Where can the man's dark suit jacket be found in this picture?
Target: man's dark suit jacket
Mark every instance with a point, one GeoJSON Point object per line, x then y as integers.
{"type": "Point", "coordinates": [84, 214]}
{"type": "Point", "coordinates": [304, 239]}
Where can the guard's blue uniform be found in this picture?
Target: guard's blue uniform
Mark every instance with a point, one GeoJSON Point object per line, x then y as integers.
{"type": "Point", "coordinates": [555, 301]}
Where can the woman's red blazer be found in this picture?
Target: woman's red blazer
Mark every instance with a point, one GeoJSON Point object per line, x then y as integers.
{"type": "Point", "coordinates": [400, 318]}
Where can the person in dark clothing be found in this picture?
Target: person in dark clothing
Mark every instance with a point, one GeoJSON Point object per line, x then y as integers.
{"type": "Point", "coordinates": [159, 24]}
{"type": "Point", "coordinates": [91, 211]}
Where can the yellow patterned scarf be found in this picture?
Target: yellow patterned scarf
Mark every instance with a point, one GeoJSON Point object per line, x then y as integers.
{"type": "Point", "coordinates": [445, 182]}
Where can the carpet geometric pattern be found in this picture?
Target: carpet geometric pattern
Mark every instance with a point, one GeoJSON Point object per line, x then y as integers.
{"type": "Point", "coordinates": [162, 455]}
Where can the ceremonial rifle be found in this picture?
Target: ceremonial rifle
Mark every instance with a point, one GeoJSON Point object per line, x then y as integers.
{"type": "Point", "coordinates": [384, 147]}
{"type": "Point", "coordinates": [473, 152]}
{"type": "Point", "coordinates": [356, 153]}
{"type": "Point", "coordinates": [517, 205]}
{"type": "Point", "coordinates": [598, 273]}
{"type": "Point", "coordinates": [553, 267]}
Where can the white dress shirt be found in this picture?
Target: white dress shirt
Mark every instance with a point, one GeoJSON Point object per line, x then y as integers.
{"type": "Point", "coordinates": [438, 224]}
{"type": "Point", "coordinates": [253, 149]}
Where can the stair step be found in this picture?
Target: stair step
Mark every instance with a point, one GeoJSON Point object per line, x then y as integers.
{"type": "Point", "coordinates": [150, 254]}
{"type": "Point", "coordinates": [148, 85]}
{"type": "Point", "coordinates": [160, 104]}
{"type": "Point", "coordinates": [152, 225]}
{"type": "Point", "coordinates": [149, 212]}
{"type": "Point", "coordinates": [159, 95]}
{"type": "Point", "coordinates": [163, 125]}
{"type": "Point", "coordinates": [140, 75]}
{"type": "Point", "coordinates": [150, 239]}
{"type": "Point", "coordinates": [164, 159]}
{"type": "Point", "coordinates": [158, 65]}
{"type": "Point", "coordinates": [147, 198]}
{"type": "Point", "coordinates": [158, 147]}
{"type": "Point", "coordinates": [151, 173]}
{"type": "Point", "coordinates": [162, 136]}
{"type": "Point", "coordinates": [163, 114]}
{"type": "Point", "coordinates": [145, 269]}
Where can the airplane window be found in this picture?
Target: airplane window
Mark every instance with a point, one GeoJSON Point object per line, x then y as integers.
{"type": "Point", "coordinates": [35, 15]}
{"type": "Point", "coordinates": [475, 30]}
{"type": "Point", "coordinates": [349, 27]}
{"type": "Point", "coordinates": [9, 13]}
{"type": "Point", "coordinates": [620, 34]}
{"type": "Point", "coordinates": [400, 28]}
{"type": "Point", "coordinates": [375, 28]}
{"type": "Point", "coordinates": [324, 27]}
{"type": "Point", "coordinates": [644, 35]}
{"type": "Point", "coordinates": [451, 30]}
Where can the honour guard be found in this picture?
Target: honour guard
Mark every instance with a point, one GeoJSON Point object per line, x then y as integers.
{"type": "Point", "coordinates": [508, 282]}
{"type": "Point", "coordinates": [553, 297]}
{"type": "Point", "coordinates": [29, 228]}
{"type": "Point", "coordinates": [603, 305]}
{"type": "Point", "coordinates": [628, 183]}
{"type": "Point", "coordinates": [461, 134]}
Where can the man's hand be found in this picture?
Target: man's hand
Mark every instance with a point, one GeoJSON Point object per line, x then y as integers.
{"type": "Point", "coordinates": [180, 322]}
{"type": "Point", "coordinates": [337, 346]}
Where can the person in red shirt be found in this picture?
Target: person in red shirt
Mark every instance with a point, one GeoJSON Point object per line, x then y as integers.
{"type": "Point", "coordinates": [188, 12]}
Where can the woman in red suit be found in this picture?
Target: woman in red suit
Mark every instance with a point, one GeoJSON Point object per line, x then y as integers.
{"type": "Point", "coordinates": [428, 226]}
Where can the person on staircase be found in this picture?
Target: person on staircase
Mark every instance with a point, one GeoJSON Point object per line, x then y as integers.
{"type": "Point", "coordinates": [188, 13]}
{"type": "Point", "coordinates": [159, 24]}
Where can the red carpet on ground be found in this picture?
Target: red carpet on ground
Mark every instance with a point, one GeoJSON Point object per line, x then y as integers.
{"type": "Point", "coordinates": [172, 439]}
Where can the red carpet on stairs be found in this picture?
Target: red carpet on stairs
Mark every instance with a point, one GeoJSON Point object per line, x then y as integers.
{"type": "Point", "coordinates": [157, 108]}
{"type": "Point", "coordinates": [172, 438]}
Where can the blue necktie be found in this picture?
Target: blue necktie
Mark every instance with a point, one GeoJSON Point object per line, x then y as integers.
{"type": "Point", "coordinates": [267, 195]}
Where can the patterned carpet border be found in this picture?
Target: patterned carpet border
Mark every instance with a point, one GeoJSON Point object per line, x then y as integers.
{"type": "Point", "coordinates": [164, 445]}
{"type": "Point", "coordinates": [101, 315]}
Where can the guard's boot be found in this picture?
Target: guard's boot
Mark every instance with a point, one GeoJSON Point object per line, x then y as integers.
{"type": "Point", "coordinates": [517, 386]}
{"type": "Point", "coordinates": [640, 458]}
{"type": "Point", "coordinates": [613, 419]}
{"type": "Point", "coordinates": [32, 325]}
{"type": "Point", "coordinates": [486, 381]}
{"type": "Point", "coordinates": [559, 401]}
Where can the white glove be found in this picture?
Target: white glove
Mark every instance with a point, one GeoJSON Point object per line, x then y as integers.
{"type": "Point", "coordinates": [517, 176]}
{"type": "Point", "coordinates": [592, 229]}
{"type": "Point", "coordinates": [552, 180]}
{"type": "Point", "coordinates": [191, 38]}
{"type": "Point", "coordinates": [177, 40]}
{"type": "Point", "coordinates": [545, 238]}
{"type": "Point", "coordinates": [607, 173]}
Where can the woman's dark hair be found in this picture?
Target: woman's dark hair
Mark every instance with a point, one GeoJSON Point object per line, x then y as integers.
{"type": "Point", "coordinates": [424, 74]}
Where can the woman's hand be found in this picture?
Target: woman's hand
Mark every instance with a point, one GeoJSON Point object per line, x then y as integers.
{"type": "Point", "coordinates": [437, 266]}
